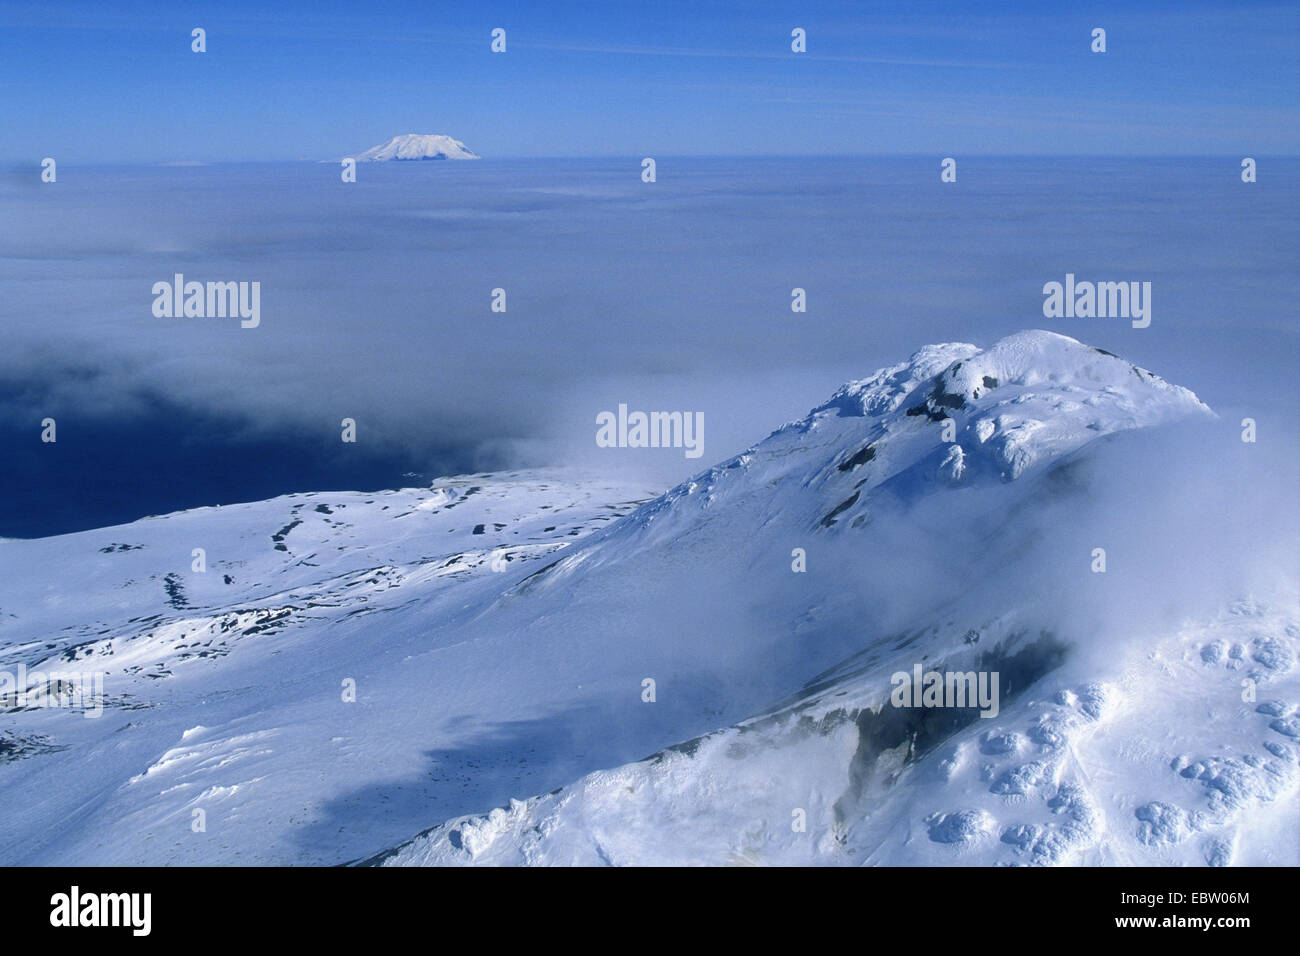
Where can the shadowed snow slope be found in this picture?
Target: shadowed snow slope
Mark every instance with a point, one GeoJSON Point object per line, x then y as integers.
{"type": "Point", "coordinates": [505, 635]}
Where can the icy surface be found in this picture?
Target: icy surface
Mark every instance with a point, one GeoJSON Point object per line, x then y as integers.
{"type": "Point", "coordinates": [501, 630]}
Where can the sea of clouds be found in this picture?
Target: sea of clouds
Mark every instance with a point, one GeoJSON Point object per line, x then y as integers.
{"type": "Point", "coordinates": [375, 301]}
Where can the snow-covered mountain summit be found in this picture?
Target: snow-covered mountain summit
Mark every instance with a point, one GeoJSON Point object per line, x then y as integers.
{"type": "Point", "coordinates": [418, 146]}
{"type": "Point", "coordinates": [951, 416]}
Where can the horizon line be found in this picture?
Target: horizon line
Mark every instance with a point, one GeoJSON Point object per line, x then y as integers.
{"type": "Point", "coordinates": [194, 163]}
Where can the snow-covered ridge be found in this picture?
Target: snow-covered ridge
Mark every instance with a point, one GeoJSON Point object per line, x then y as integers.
{"type": "Point", "coordinates": [951, 416]}
{"type": "Point", "coordinates": [418, 146]}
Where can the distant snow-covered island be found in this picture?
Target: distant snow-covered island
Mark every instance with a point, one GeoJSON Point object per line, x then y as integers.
{"type": "Point", "coordinates": [418, 146]}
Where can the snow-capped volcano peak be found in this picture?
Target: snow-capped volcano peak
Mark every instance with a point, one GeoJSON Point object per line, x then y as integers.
{"type": "Point", "coordinates": [953, 376]}
{"type": "Point", "coordinates": [1033, 396]}
{"type": "Point", "coordinates": [953, 415]}
{"type": "Point", "coordinates": [419, 146]}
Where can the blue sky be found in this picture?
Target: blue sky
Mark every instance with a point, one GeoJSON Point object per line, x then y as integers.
{"type": "Point", "coordinates": [97, 81]}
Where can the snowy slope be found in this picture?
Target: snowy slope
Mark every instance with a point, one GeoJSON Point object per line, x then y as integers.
{"type": "Point", "coordinates": [418, 146]}
{"type": "Point", "coordinates": [500, 629]}
{"type": "Point", "coordinates": [224, 687]}
{"type": "Point", "coordinates": [1161, 763]}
